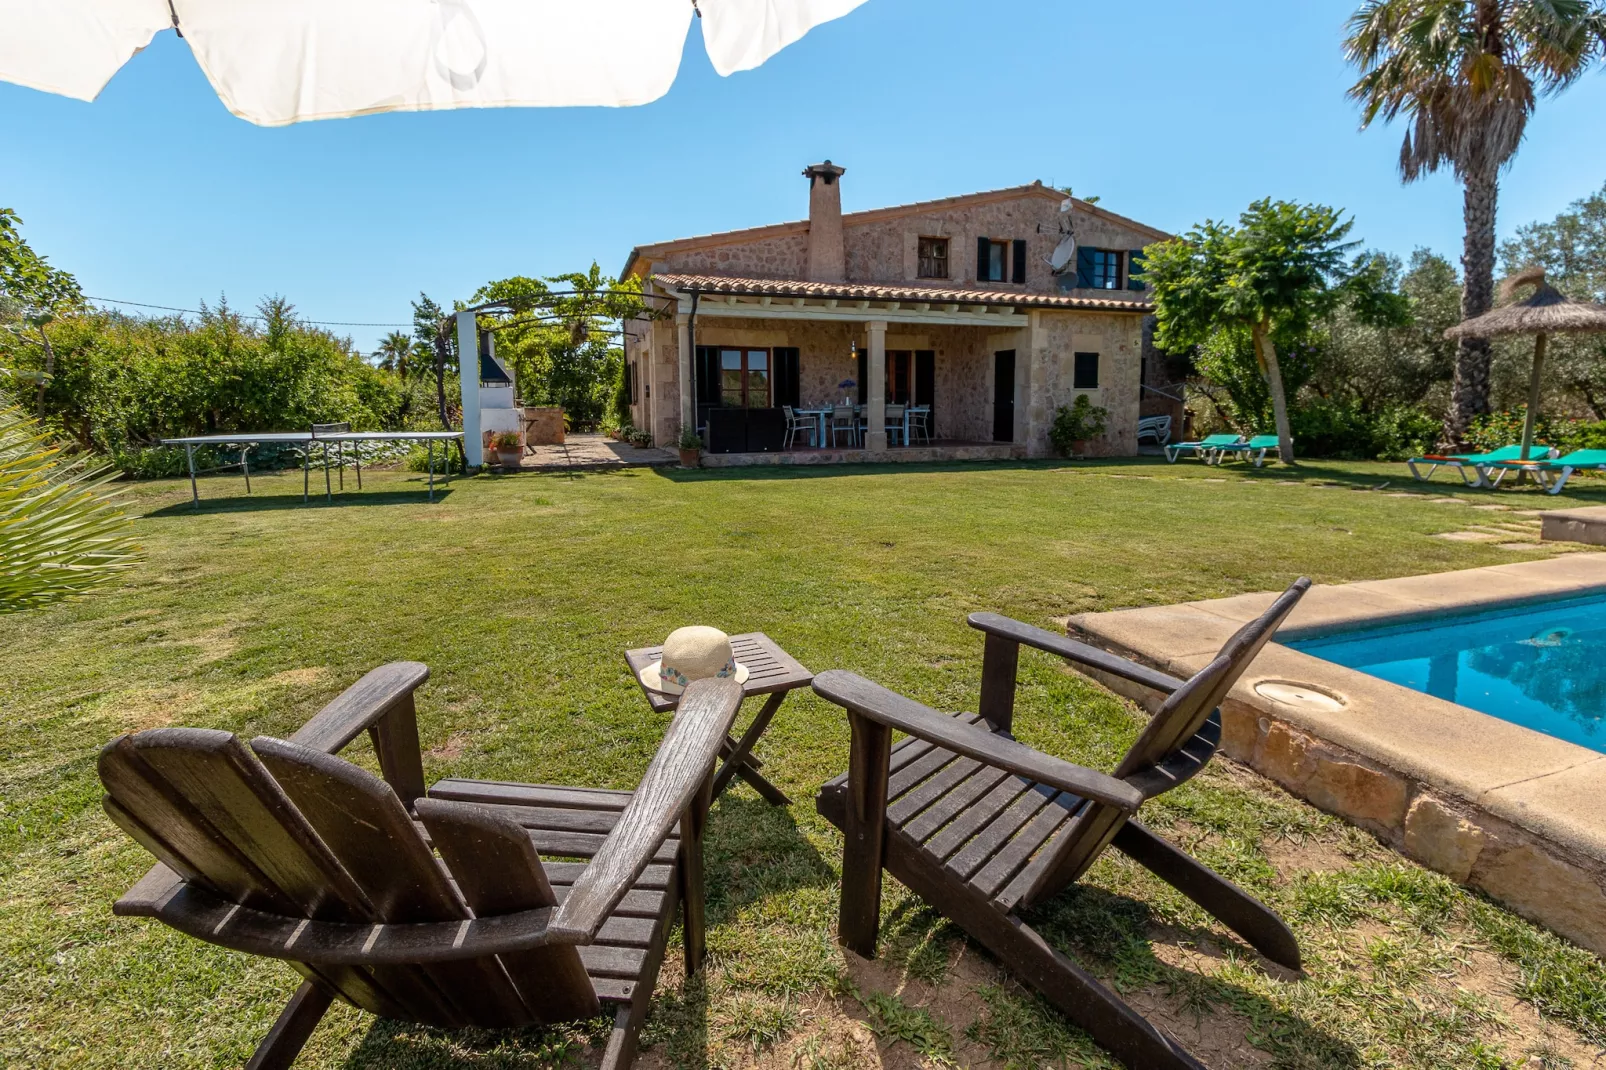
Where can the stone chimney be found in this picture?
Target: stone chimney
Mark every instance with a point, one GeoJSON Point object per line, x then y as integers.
{"type": "Point", "coordinates": [827, 255]}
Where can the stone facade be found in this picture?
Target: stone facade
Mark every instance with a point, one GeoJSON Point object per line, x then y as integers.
{"type": "Point", "coordinates": [882, 246]}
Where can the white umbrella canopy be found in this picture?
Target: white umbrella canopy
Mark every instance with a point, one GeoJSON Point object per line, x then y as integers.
{"type": "Point", "coordinates": [275, 62]}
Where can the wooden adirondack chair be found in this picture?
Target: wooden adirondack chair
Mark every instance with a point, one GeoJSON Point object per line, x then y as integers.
{"type": "Point", "coordinates": [983, 827]}
{"type": "Point", "coordinates": [279, 849]}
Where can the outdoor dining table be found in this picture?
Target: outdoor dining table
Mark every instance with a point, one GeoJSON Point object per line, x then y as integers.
{"type": "Point", "coordinates": [770, 671]}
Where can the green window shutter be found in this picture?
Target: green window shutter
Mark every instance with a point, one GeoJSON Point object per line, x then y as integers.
{"type": "Point", "coordinates": [1018, 255]}
{"type": "Point", "coordinates": [1084, 268]}
{"type": "Point", "coordinates": [984, 256]}
{"type": "Point", "coordinates": [1134, 270]}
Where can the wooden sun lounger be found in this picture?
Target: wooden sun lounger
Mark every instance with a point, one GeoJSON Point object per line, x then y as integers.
{"type": "Point", "coordinates": [983, 827]}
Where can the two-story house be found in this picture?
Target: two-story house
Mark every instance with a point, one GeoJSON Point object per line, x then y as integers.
{"type": "Point", "coordinates": [986, 311]}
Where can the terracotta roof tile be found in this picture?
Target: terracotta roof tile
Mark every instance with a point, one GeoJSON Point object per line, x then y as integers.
{"type": "Point", "coordinates": [866, 291]}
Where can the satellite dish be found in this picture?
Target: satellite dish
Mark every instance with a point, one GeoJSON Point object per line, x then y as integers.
{"type": "Point", "coordinates": [1067, 204]}
{"type": "Point", "coordinates": [1064, 254]}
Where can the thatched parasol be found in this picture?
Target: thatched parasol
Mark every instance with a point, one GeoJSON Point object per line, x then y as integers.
{"type": "Point", "coordinates": [1545, 312]}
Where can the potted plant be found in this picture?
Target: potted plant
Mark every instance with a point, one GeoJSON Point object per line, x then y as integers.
{"type": "Point", "coordinates": [690, 448]}
{"type": "Point", "coordinates": [1076, 424]}
{"type": "Point", "coordinates": [508, 449]}
{"type": "Point", "coordinates": [641, 438]}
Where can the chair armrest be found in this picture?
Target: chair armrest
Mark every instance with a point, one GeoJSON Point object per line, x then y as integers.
{"type": "Point", "coordinates": [683, 765]}
{"type": "Point", "coordinates": [1081, 653]}
{"type": "Point", "coordinates": [382, 704]}
{"type": "Point", "coordinates": [860, 696]}
{"type": "Point", "coordinates": [361, 706]}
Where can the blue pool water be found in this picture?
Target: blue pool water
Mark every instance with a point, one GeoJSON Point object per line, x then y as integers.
{"type": "Point", "coordinates": [1542, 665]}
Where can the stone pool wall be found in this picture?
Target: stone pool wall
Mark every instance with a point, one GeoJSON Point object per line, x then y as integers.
{"type": "Point", "coordinates": [1492, 805]}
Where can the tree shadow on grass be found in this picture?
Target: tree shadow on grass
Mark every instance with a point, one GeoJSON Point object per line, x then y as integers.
{"type": "Point", "coordinates": [272, 503]}
{"type": "Point", "coordinates": [785, 472]}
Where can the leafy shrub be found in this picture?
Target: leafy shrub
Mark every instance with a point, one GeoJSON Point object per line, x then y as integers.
{"type": "Point", "coordinates": [1496, 429]}
{"type": "Point", "coordinates": [446, 459]}
{"type": "Point", "coordinates": [1342, 430]}
{"type": "Point", "coordinates": [121, 382]}
{"type": "Point", "coordinates": [1080, 421]}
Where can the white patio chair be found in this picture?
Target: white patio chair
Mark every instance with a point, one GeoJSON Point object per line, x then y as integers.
{"type": "Point", "coordinates": [797, 423]}
{"type": "Point", "coordinates": [920, 423]}
{"type": "Point", "coordinates": [843, 419]}
{"type": "Point", "coordinates": [894, 422]}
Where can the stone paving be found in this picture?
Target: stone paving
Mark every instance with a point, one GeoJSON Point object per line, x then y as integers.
{"type": "Point", "coordinates": [593, 451]}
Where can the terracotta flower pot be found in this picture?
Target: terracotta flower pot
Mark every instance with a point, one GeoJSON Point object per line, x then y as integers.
{"type": "Point", "coordinates": [690, 458]}
{"type": "Point", "coordinates": [510, 458]}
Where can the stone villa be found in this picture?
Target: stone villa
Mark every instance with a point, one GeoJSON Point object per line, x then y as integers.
{"type": "Point", "coordinates": [990, 310]}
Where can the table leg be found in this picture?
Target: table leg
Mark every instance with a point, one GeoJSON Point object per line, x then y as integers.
{"type": "Point", "coordinates": [737, 763]}
{"type": "Point", "coordinates": [328, 494]}
{"type": "Point", "coordinates": [245, 466]}
{"type": "Point", "coordinates": [431, 469]}
{"type": "Point", "coordinates": [306, 471]}
{"type": "Point", "coordinates": [356, 454]}
{"type": "Point", "coordinates": [340, 459]}
{"type": "Point", "coordinates": [189, 455]}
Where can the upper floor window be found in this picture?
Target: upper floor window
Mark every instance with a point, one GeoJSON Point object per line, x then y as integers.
{"type": "Point", "coordinates": [1098, 269]}
{"type": "Point", "coordinates": [1000, 261]}
{"type": "Point", "coordinates": [933, 258]}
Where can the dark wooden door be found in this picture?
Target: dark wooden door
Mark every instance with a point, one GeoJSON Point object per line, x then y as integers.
{"type": "Point", "coordinates": [1004, 396]}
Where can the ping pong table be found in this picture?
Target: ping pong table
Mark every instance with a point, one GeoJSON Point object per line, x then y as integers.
{"type": "Point", "coordinates": [302, 442]}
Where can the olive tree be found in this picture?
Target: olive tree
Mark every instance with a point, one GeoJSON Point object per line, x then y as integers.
{"type": "Point", "coordinates": [1274, 275]}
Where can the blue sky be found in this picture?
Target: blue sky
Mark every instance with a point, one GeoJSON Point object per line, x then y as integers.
{"type": "Point", "coordinates": [1170, 110]}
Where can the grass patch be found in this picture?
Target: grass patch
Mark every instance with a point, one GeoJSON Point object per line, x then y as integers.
{"type": "Point", "coordinates": [521, 593]}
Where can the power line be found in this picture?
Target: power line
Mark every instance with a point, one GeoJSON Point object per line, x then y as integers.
{"type": "Point", "coordinates": [242, 315]}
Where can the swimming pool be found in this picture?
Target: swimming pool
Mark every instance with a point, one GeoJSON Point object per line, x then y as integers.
{"type": "Point", "coordinates": [1541, 665]}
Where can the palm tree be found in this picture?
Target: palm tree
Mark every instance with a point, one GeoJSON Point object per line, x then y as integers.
{"type": "Point", "coordinates": [1466, 73]}
{"type": "Point", "coordinates": [395, 353]}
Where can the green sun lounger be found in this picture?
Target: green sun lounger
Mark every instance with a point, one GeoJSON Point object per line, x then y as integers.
{"type": "Point", "coordinates": [1469, 466]}
{"type": "Point", "coordinates": [1254, 451]}
{"type": "Point", "coordinates": [1551, 473]}
{"type": "Point", "coordinates": [1205, 448]}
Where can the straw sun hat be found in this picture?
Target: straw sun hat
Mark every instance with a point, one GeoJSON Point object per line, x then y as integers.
{"type": "Point", "coordinates": [695, 653]}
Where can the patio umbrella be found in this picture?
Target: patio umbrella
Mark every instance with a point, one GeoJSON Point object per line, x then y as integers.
{"type": "Point", "coordinates": [1545, 312]}
{"type": "Point", "coordinates": [275, 62]}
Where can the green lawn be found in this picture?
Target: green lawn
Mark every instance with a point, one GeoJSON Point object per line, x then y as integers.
{"type": "Point", "coordinates": [521, 592]}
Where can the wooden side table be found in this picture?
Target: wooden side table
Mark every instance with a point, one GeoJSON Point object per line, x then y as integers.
{"type": "Point", "coordinates": [770, 671]}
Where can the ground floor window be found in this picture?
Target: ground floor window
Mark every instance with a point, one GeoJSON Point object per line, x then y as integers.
{"type": "Point", "coordinates": [1085, 372]}
{"type": "Point", "coordinates": [744, 378]}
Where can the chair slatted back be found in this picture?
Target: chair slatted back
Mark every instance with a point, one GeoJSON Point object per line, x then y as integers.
{"type": "Point", "coordinates": [1164, 741]}
{"type": "Point", "coordinates": [297, 832]}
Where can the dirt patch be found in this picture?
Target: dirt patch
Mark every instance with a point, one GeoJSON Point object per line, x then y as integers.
{"type": "Point", "coordinates": [452, 749]}
{"type": "Point", "coordinates": [307, 677]}
{"type": "Point", "coordinates": [1493, 978]}
{"type": "Point", "coordinates": [1310, 855]}
{"type": "Point", "coordinates": [154, 708]}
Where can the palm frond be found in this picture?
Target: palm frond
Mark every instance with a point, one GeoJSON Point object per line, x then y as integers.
{"type": "Point", "coordinates": [61, 535]}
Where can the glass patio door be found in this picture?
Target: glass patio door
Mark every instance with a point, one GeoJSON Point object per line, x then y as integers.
{"type": "Point", "coordinates": [744, 378]}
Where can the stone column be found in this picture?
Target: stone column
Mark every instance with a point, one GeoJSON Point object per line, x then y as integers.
{"type": "Point", "coordinates": [875, 396]}
{"type": "Point", "coordinates": [688, 394]}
